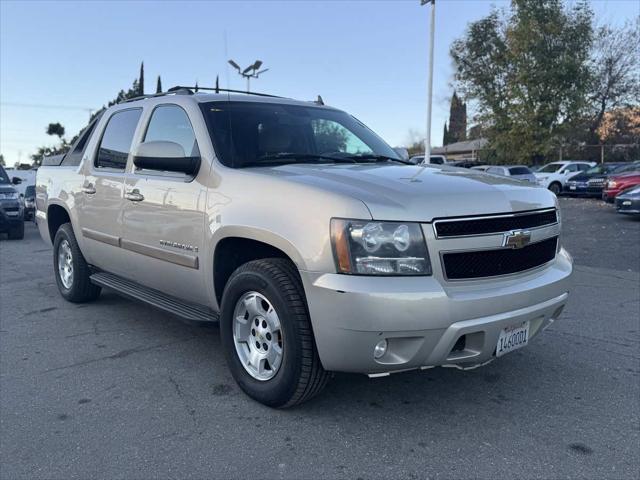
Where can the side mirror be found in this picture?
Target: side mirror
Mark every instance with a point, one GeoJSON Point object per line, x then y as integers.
{"type": "Point", "coordinates": [402, 152]}
{"type": "Point", "coordinates": [16, 181]}
{"type": "Point", "coordinates": [165, 157]}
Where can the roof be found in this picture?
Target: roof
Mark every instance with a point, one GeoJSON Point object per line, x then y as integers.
{"type": "Point", "coordinates": [461, 147]}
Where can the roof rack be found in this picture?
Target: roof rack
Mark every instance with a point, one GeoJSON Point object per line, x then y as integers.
{"type": "Point", "coordinates": [226, 90]}
{"type": "Point", "coordinates": [182, 90]}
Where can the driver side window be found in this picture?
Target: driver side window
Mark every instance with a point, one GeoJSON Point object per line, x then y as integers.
{"type": "Point", "coordinates": [331, 137]}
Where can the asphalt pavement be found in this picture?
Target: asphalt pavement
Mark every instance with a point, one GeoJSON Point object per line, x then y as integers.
{"type": "Point", "coordinates": [117, 390]}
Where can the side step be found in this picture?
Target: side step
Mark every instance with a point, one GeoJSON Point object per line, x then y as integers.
{"type": "Point", "coordinates": [135, 291]}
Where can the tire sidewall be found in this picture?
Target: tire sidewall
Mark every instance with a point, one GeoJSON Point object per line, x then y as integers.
{"type": "Point", "coordinates": [279, 389]}
{"type": "Point", "coordinates": [62, 235]}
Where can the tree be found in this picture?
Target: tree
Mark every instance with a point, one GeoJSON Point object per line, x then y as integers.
{"type": "Point", "coordinates": [55, 129]}
{"type": "Point", "coordinates": [2, 160]}
{"type": "Point", "coordinates": [159, 85]}
{"type": "Point", "coordinates": [527, 70]}
{"type": "Point", "coordinates": [141, 80]}
{"type": "Point", "coordinates": [615, 70]}
{"type": "Point", "coordinates": [621, 126]}
{"type": "Point", "coordinates": [457, 120]}
{"type": "Point", "coordinates": [445, 135]}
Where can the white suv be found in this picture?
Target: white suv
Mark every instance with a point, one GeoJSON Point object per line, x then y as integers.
{"type": "Point", "coordinates": [554, 175]}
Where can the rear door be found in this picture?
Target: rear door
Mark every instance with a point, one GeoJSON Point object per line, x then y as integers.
{"type": "Point", "coordinates": [163, 222]}
{"type": "Point", "coordinates": [101, 199]}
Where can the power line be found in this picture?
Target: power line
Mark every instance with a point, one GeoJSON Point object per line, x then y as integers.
{"type": "Point", "coordinates": [40, 105]}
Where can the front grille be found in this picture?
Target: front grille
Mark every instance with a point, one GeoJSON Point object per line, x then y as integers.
{"type": "Point", "coordinates": [504, 261]}
{"type": "Point", "coordinates": [11, 209]}
{"type": "Point", "coordinates": [596, 181]}
{"type": "Point", "coordinates": [498, 224]}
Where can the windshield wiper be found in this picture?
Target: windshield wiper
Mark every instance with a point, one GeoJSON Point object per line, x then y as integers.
{"type": "Point", "coordinates": [377, 158]}
{"type": "Point", "coordinates": [287, 157]}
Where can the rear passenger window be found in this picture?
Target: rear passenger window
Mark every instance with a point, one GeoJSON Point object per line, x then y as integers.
{"type": "Point", "coordinates": [117, 138]}
{"type": "Point", "coordinates": [170, 123]}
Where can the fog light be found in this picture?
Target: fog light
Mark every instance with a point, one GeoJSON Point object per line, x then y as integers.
{"type": "Point", "coordinates": [380, 349]}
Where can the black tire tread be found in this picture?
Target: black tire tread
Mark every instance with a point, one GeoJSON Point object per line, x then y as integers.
{"type": "Point", "coordinates": [84, 290]}
{"type": "Point", "coordinates": [313, 377]}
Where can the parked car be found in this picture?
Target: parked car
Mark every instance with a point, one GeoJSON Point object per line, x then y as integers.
{"type": "Point", "coordinates": [617, 184]}
{"type": "Point", "coordinates": [517, 172]}
{"type": "Point", "coordinates": [482, 168]}
{"type": "Point", "coordinates": [466, 163]}
{"type": "Point", "coordinates": [629, 202]}
{"type": "Point", "coordinates": [30, 203]}
{"type": "Point", "coordinates": [554, 175]}
{"type": "Point", "coordinates": [591, 182]}
{"type": "Point", "coordinates": [317, 252]}
{"type": "Point", "coordinates": [11, 207]}
{"type": "Point", "coordinates": [435, 159]}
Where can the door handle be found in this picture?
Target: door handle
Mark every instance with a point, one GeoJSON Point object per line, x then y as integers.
{"type": "Point", "coordinates": [89, 189]}
{"type": "Point", "coordinates": [134, 195]}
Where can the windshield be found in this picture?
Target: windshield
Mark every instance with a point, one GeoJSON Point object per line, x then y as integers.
{"type": "Point", "coordinates": [30, 191]}
{"type": "Point", "coordinates": [550, 168]}
{"type": "Point", "coordinates": [256, 133]}
{"type": "Point", "coordinates": [627, 168]}
{"type": "Point", "coordinates": [3, 176]}
{"type": "Point", "coordinates": [519, 171]}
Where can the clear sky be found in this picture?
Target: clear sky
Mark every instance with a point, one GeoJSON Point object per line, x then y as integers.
{"type": "Point", "coordinates": [366, 57]}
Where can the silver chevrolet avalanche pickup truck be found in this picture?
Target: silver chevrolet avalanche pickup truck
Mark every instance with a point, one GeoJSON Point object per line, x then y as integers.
{"type": "Point", "coordinates": [312, 243]}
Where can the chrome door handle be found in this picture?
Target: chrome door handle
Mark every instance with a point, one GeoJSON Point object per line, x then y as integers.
{"type": "Point", "coordinates": [134, 195]}
{"type": "Point", "coordinates": [89, 189]}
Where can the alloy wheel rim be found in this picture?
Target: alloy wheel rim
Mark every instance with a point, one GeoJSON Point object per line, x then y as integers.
{"type": "Point", "coordinates": [257, 336]}
{"type": "Point", "coordinates": [65, 264]}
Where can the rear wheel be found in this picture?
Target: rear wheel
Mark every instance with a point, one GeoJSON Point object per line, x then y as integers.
{"type": "Point", "coordinates": [266, 334]}
{"type": "Point", "coordinates": [17, 233]}
{"type": "Point", "coordinates": [71, 270]}
{"type": "Point", "coordinates": [556, 188]}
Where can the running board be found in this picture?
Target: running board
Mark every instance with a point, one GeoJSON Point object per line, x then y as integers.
{"type": "Point", "coordinates": [135, 291]}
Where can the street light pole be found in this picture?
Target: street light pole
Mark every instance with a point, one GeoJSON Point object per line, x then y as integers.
{"type": "Point", "coordinates": [427, 140]}
{"type": "Point", "coordinates": [250, 72]}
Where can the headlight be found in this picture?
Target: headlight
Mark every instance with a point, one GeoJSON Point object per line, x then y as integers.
{"type": "Point", "coordinates": [364, 247]}
{"type": "Point", "coordinates": [612, 184]}
{"type": "Point", "coordinates": [10, 195]}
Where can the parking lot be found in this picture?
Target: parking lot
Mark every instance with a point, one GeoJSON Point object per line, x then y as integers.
{"type": "Point", "coordinates": [115, 389]}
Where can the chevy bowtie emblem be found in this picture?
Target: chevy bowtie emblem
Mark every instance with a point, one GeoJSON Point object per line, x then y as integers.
{"type": "Point", "coordinates": [516, 239]}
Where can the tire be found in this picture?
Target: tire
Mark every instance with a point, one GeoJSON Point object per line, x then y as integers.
{"type": "Point", "coordinates": [556, 188]}
{"type": "Point", "coordinates": [17, 233]}
{"type": "Point", "coordinates": [78, 287]}
{"type": "Point", "coordinates": [300, 375]}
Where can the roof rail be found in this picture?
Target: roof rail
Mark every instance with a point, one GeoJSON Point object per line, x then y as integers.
{"type": "Point", "coordinates": [226, 90]}
{"type": "Point", "coordinates": [182, 90]}
{"type": "Point", "coordinates": [171, 91]}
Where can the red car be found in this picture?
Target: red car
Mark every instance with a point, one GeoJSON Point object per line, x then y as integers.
{"type": "Point", "coordinates": [619, 183]}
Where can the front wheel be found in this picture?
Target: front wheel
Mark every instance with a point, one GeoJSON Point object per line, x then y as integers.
{"type": "Point", "coordinates": [266, 334]}
{"type": "Point", "coordinates": [556, 188]}
{"type": "Point", "coordinates": [71, 270]}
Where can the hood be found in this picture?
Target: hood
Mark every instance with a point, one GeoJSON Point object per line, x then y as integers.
{"type": "Point", "coordinates": [5, 188]}
{"type": "Point", "coordinates": [418, 193]}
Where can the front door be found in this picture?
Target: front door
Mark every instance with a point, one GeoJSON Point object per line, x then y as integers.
{"type": "Point", "coordinates": [101, 198]}
{"type": "Point", "coordinates": [163, 215]}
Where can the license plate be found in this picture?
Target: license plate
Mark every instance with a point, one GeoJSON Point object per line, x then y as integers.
{"type": "Point", "coordinates": [572, 187]}
{"type": "Point", "coordinates": [512, 338]}
{"type": "Point", "coordinates": [626, 203]}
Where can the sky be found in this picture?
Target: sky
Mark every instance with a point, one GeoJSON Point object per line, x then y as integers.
{"type": "Point", "coordinates": [61, 59]}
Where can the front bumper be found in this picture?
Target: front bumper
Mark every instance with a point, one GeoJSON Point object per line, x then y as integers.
{"type": "Point", "coordinates": [628, 206]}
{"type": "Point", "coordinates": [11, 214]}
{"type": "Point", "coordinates": [422, 319]}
